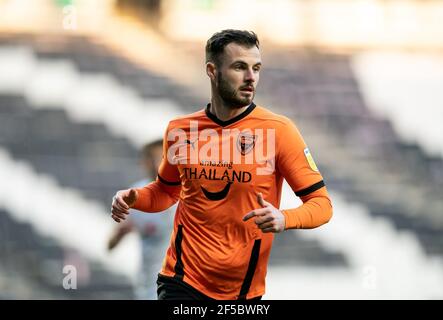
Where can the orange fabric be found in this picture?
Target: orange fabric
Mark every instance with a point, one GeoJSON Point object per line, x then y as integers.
{"type": "Point", "coordinates": [156, 197]}
{"type": "Point", "coordinates": [315, 211]}
{"type": "Point", "coordinates": [215, 245]}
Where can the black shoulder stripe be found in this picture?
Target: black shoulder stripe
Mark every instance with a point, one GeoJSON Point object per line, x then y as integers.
{"type": "Point", "coordinates": [310, 189]}
{"type": "Point", "coordinates": [167, 182]}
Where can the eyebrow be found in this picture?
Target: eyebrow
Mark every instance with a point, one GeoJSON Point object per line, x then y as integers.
{"type": "Point", "coordinates": [244, 63]}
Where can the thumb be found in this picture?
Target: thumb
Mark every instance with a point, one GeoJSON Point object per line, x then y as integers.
{"type": "Point", "coordinates": [131, 198]}
{"type": "Point", "coordinates": [261, 201]}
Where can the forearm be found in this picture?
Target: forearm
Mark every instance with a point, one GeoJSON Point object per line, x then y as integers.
{"type": "Point", "coordinates": [156, 197]}
{"type": "Point", "coordinates": [315, 211]}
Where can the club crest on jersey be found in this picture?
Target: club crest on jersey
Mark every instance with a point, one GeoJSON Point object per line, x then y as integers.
{"type": "Point", "coordinates": [246, 142]}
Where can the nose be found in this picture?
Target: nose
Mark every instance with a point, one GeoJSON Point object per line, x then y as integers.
{"type": "Point", "coordinates": [250, 75]}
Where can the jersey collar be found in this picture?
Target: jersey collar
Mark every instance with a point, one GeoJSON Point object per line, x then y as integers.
{"type": "Point", "coordinates": [222, 123]}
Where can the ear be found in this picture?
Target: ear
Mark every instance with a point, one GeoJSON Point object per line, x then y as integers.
{"type": "Point", "coordinates": [211, 70]}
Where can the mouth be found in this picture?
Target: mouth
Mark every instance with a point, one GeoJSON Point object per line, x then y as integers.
{"type": "Point", "coordinates": [247, 89]}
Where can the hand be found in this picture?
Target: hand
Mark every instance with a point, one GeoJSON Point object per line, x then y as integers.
{"type": "Point", "coordinates": [268, 218]}
{"type": "Point", "coordinates": [121, 202]}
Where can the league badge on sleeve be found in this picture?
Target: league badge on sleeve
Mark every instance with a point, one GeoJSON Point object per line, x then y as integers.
{"type": "Point", "coordinates": [310, 159]}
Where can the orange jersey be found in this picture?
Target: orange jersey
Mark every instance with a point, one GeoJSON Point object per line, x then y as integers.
{"type": "Point", "coordinates": [212, 248]}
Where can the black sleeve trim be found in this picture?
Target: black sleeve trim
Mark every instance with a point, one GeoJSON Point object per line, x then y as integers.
{"type": "Point", "coordinates": [167, 182]}
{"type": "Point", "coordinates": [310, 189]}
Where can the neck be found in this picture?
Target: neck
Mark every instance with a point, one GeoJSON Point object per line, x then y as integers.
{"type": "Point", "coordinates": [223, 111]}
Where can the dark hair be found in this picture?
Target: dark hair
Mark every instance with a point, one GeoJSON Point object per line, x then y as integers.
{"type": "Point", "coordinates": [146, 151]}
{"type": "Point", "coordinates": [217, 43]}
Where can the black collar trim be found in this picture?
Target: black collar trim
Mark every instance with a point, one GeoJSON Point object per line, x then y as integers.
{"type": "Point", "coordinates": [222, 123]}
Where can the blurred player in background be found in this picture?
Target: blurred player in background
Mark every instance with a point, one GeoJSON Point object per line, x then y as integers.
{"type": "Point", "coordinates": [228, 207]}
{"type": "Point", "coordinates": [154, 229]}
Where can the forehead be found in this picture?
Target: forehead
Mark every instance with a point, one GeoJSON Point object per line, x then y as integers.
{"type": "Point", "coordinates": [234, 52]}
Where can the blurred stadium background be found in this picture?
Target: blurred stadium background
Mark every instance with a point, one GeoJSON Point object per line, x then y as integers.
{"type": "Point", "coordinates": [85, 83]}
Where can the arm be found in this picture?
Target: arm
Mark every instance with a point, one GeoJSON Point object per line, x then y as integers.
{"type": "Point", "coordinates": [156, 196]}
{"type": "Point", "coordinates": [297, 166]}
{"type": "Point", "coordinates": [315, 211]}
{"type": "Point", "coordinates": [165, 191]}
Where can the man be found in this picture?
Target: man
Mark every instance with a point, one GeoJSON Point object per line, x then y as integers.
{"type": "Point", "coordinates": [152, 228]}
{"type": "Point", "coordinates": [228, 191]}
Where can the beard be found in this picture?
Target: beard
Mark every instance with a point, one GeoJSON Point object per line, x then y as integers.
{"type": "Point", "coordinates": [230, 95]}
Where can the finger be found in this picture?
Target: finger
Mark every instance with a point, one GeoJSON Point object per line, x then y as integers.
{"type": "Point", "coordinates": [273, 228]}
{"type": "Point", "coordinates": [118, 210]}
{"type": "Point", "coordinates": [119, 201]}
{"type": "Point", "coordinates": [261, 211]}
{"type": "Point", "coordinates": [119, 214]}
{"type": "Point", "coordinates": [255, 213]}
{"type": "Point", "coordinates": [262, 201]}
{"type": "Point", "coordinates": [266, 225]}
{"type": "Point", "coordinates": [268, 230]}
{"type": "Point", "coordinates": [131, 198]}
{"type": "Point", "coordinates": [117, 218]}
{"type": "Point", "coordinates": [118, 206]}
{"type": "Point", "coordinates": [264, 219]}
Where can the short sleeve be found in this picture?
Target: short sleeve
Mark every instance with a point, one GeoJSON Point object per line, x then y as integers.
{"type": "Point", "coordinates": [295, 162]}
